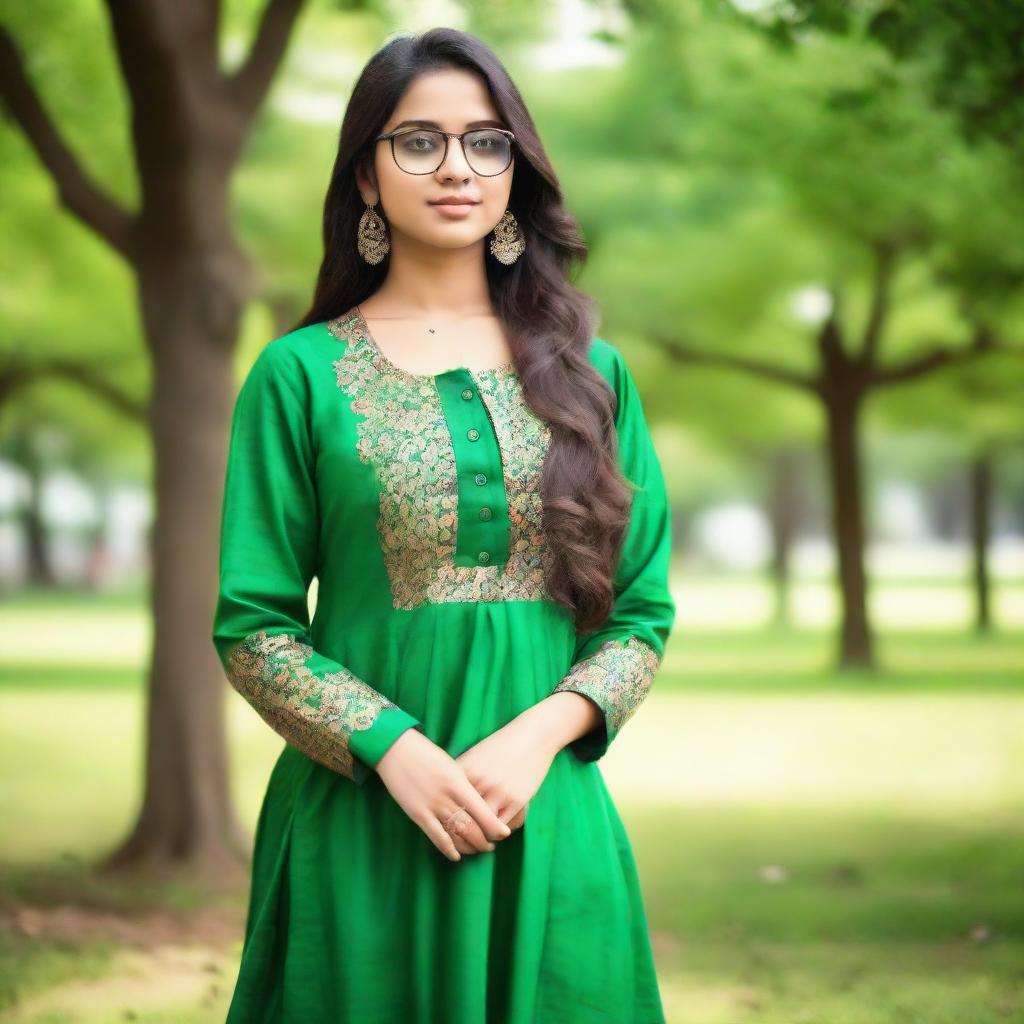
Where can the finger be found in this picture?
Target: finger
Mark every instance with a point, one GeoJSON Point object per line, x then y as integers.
{"type": "Point", "coordinates": [461, 845]}
{"type": "Point", "coordinates": [512, 815]}
{"type": "Point", "coordinates": [511, 808]}
{"type": "Point", "coordinates": [487, 822]}
{"type": "Point", "coordinates": [457, 821]}
{"type": "Point", "coordinates": [440, 838]}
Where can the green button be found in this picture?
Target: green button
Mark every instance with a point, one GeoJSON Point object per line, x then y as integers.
{"type": "Point", "coordinates": [473, 434]}
{"type": "Point", "coordinates": [485, 513]}
{"type": "Point", "coordinates": [467, 394]}
{"type": "Point", "coordinates": [480, 478]}
{"type": "Point", "coordinates": [484, 556]}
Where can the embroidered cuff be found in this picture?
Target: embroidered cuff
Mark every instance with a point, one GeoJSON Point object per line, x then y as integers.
{"type": "Point", "coordinates": [617, 677]}
{"type": "Point", "coordinates": [315, 712]}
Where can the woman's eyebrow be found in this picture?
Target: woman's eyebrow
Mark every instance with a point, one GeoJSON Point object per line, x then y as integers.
{"type": "Point", "coordinates": [434, 124]}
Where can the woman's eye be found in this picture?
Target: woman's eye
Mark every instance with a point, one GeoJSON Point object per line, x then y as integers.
{"type": "Point", "coordinates": [419, 143]}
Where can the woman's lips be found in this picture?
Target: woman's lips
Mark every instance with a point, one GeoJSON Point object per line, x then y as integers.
{"type": "Point", "coordinates": [454, 210]}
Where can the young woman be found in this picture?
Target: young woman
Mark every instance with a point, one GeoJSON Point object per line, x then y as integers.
{"type": "Point", "coordinates": [467, 471]}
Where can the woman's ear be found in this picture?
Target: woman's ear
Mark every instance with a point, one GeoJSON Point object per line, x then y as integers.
{"type": "Point", "coordinates": [366, 180]}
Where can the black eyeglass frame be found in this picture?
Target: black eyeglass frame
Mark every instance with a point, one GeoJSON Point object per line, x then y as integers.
{"type": "Point", "coordinates": [444, 156]}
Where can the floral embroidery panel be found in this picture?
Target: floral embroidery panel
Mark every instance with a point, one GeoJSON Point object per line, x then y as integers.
{"type": "Point", "coordinates": [316, 714]}
{"type": "Point", "coordinates": [403, 433]}
{"type": "Point", "coordinates": [617, 676]}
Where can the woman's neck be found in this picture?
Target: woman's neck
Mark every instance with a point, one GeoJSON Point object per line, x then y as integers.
{"type": "Point", "coordinates": [424, 281]}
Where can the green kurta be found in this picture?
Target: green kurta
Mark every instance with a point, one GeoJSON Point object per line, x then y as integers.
{"type": "Point", "coordinates": [414, 500]}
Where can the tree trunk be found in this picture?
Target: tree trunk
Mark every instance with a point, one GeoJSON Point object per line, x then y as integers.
{"type": "Point", "coordinates": [783, 514]}
{"type": "Point", "coordinates": [39, 569]}
{"type": "Point", "coordinates": [191, 309]}
{"type": "Point", "coordinates": [856, 649]}
{"type": "Point", "coordinates": [981, 526]}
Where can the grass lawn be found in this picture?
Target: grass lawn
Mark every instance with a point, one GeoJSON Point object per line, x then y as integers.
{"type": "Point", "coordinates": [814, 848]}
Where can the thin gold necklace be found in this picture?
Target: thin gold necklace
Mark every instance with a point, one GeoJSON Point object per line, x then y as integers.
{"type": "Point", "coordinates": [433, 330]}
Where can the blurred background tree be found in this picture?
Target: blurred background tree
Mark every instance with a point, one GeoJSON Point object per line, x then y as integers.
{"type": "Point", "coordinates": [816, 177]}
{"type": "Point", "coordinates": [189, 120]}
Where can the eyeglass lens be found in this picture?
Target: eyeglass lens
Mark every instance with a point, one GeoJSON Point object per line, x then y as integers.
{"type": "Point", "coordinates": [420, 151]}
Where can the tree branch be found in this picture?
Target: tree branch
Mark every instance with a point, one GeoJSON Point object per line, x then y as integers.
{"type": "Point", "coordinates": [881, 284]}
{"type": "Point", "coordinates": [682, 353]}
{"type": "Point", "coordinates": [17, 374]}
{"type": "Point", "coordinates": [249, 84]}
{"type": "Point", "coordinates": [983, 342]}
{"type": "Point", "coordinates": [77, 193]}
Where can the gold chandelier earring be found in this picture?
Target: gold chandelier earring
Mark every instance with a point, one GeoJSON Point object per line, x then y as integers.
{"type": "Point", "coordinates": [508, 243]}
{"type": "Point", "coordinates": [372, 239]}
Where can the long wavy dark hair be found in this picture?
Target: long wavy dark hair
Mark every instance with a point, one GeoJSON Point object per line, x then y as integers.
{"type": "Point", "coordinates": [548, 321]}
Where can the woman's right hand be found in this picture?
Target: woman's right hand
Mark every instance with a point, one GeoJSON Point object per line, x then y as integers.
{"type": "Point", "coordinates": [429, 784]}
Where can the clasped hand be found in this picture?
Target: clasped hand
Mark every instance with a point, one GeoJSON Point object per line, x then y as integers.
{"type": "Point", "coordinates": [493, 781]}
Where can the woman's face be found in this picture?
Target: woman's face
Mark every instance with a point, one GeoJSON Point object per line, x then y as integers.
{"type": "Point", "coordinates": [456, 101]}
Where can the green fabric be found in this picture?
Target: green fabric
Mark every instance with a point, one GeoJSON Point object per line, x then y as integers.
{"type": "Point", "coordinates": [429, 615]}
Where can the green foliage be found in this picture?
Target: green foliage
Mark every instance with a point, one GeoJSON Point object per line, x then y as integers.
{"type": "Point", "coordinates": [725, 161]}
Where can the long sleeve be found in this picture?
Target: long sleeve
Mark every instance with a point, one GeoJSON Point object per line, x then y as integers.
{"type": "Point", "coordinates": [268, 557]}
{"type": "Point", "coordinates": [615, 665]}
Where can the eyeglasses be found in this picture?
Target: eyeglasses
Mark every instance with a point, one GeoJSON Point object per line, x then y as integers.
{"type": "Point", "coordinates": [487, 150]}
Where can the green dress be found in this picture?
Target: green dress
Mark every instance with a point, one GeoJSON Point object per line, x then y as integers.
{"type": "Point", "coordinates": [414, 500]}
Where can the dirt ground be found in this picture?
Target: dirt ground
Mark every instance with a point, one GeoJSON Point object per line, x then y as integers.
{"type": "Point", "coordinates": [164, 959]}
